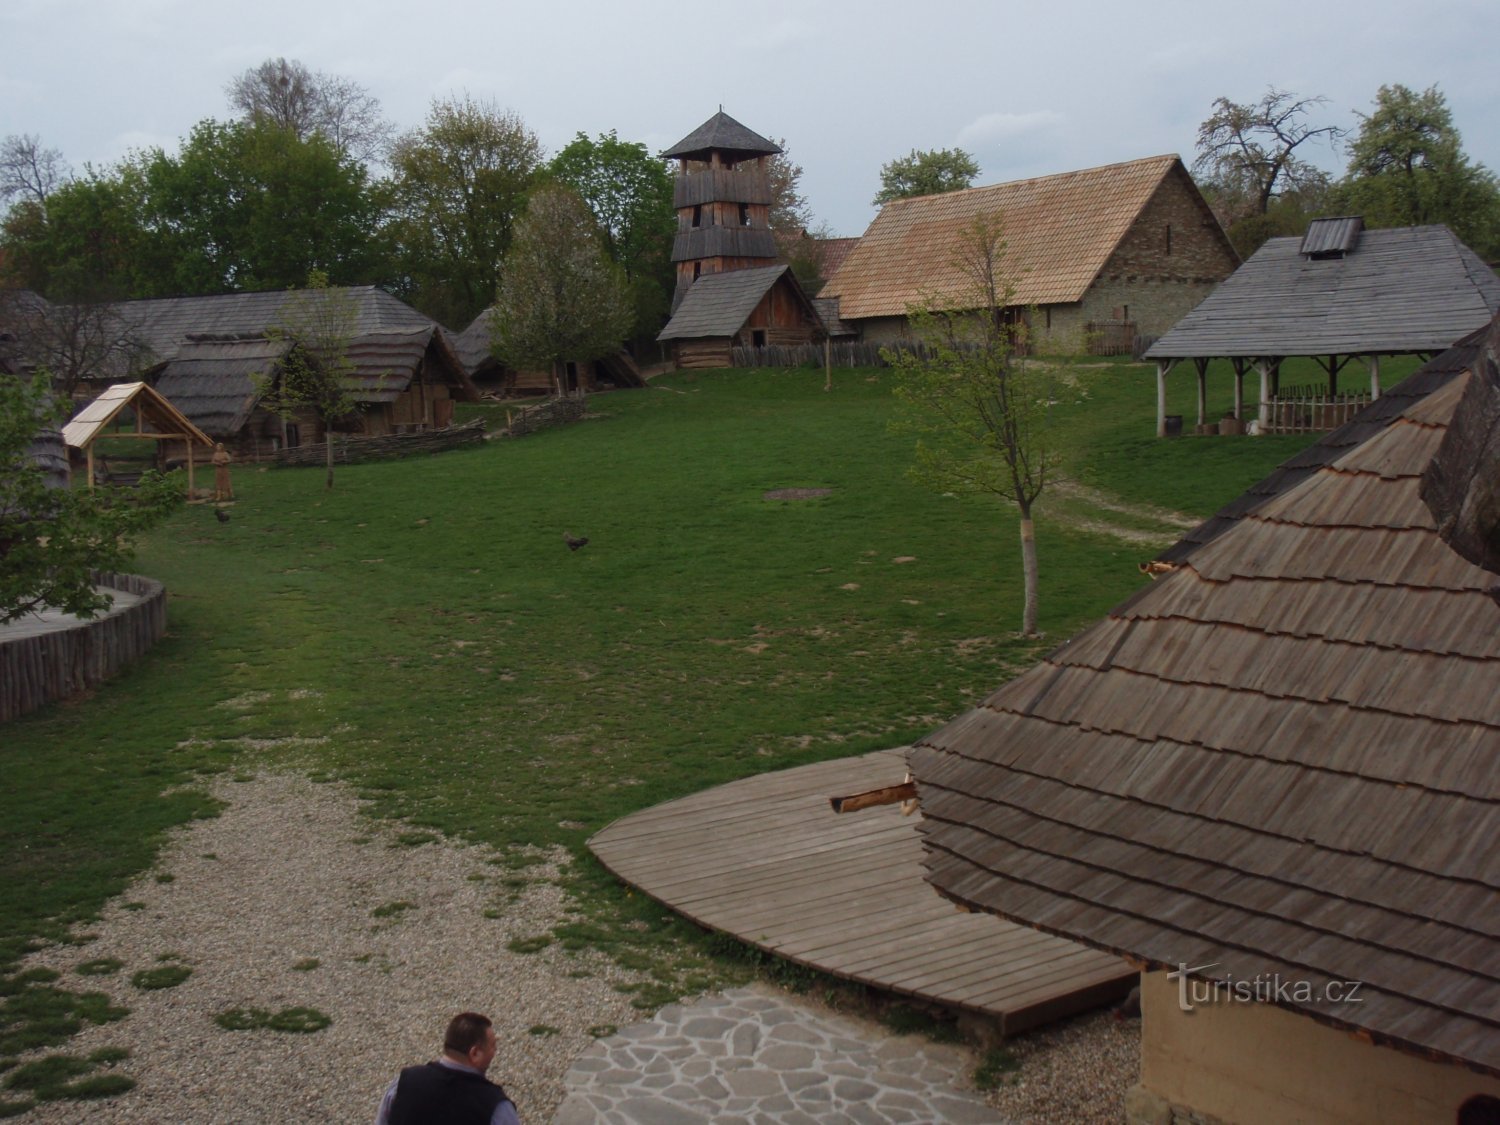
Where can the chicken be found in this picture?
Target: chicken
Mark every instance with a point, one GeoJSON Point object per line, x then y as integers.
{"type": "Point", "coordinates": [574, 544]}
{"type": "Point", "coordinates": [221, 515]}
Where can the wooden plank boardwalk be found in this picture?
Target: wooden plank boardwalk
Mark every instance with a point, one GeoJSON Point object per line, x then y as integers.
{"type": "Point", "coordinates": [767, 860]}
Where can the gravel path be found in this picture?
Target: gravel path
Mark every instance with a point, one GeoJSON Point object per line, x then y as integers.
{"type": "Point", "coordinates": [290, 873]}
{"type": "Point", "coordinates": [291, 899]}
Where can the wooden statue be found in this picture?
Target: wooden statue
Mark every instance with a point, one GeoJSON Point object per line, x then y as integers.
{"type": "Point", "coordinates": [223, 490]}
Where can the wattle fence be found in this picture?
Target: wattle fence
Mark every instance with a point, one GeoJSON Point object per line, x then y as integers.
{"type": "Point", "coordinates": [350, 451]}
{"type": "Point", "coordinates": [38, 667]}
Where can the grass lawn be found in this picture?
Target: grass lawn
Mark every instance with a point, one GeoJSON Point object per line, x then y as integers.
{"type": "Point", "coordinates": [423, 632]}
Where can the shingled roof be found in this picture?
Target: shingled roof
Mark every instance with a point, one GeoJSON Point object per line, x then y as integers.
{"type": "Point", "coordinates": [718, 304]}
{"type": "Point", "coordinates": [1283, 757]}
{"type": "Point", "coordinates": [724, 134]}
{"type": "Point", "coordinates": [1401, 290]}
{"type": "Point", "coordinates": [1059, 233]}
{"type": "Point", "coordinates": [213, 380]}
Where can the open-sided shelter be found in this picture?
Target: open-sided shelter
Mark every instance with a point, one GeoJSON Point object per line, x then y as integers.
{"type": "Point", "coordinates": [1339, 292]}
{"type": "Point", "coordinates": [154, 419]}
{"type": "Point", "coordinates": [1094, 257]}
{"type": "Point", "coordinates": [1272, 780]}
{"type": "Point", "coordinates": [758, 307]}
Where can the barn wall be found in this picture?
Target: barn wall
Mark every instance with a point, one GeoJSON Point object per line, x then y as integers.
{"type": "Point", "coordinates": [1257, 1064]}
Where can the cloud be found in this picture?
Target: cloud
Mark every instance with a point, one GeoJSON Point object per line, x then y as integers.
{"type": "Point", "coordinates": [779, 33]}
{"type": "Point", "coordinates": [993, 128]}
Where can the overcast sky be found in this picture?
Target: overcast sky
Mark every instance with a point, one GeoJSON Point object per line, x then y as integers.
{"type": "Point", "coordinates": [1029, 89]}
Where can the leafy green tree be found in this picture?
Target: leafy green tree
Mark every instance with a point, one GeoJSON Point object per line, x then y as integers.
{"type": "Point", "coordinates": [925, 172]}
{"type": "Point", "coordinates": [980, 412]}
{"type": "Point", "coordinates": [1407, 167]}
{"type": "Point", "coordinates": [251, 206]}
{"type": "Point", "coordinates": [315, 374]}
{"type": "Point", "coordinates": [51, 538]}
{"type": "Point", "coordinates": [457, 186]}
{"type": "Point", "coordinates": [1247, 152]}
{"type": "Point", "coordinates": [88, 243]}
{"type": "Point", "coordinates": [561, 299]}
{"type": "Point", "coordinates": [630, 193]}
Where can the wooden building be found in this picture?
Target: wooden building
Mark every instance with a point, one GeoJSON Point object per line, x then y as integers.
{"type": "Point", "coordinates": [616, 371]}
{"type": "Point", "coordinates": [741, 308]}
{"type": "Point", "coordinates": [1094, 257]}
{"type": "Point", "coordinates": [723, 201]}
{"type": "Point", "coordinates": [205, 353]}
{"type": "Point", "coordinates": [1272, 780]}
{"type": "Point", "coordinates": [1338, 293]}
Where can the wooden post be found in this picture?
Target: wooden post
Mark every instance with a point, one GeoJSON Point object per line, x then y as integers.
{"type": "Point", "coordinates": [1239, 390]}
{"type": "Point", "coordinates": [90, 450]}
{"type": "Point", "coordinates": [1374, 377]}
{"type": "Point", "coordinates": [1264, 414]}
{"type": "Point", "coordinates": [1202, 366]}
{"type": "Point", "coordinates": [1162, 367]}
{"type": "Point", "coordinates": [828, 363]}
{"type": "Point", "coordinates": [187, 440]}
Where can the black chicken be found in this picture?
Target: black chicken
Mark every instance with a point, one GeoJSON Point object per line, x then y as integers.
{"type": "Point", "coordinates": [221, 515]}
{"type": "Point", "coordinates": [574, 544]}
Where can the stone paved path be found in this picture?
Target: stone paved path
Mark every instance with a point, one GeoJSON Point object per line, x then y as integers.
{"type": "Point", "coordinates": [759, 1057]}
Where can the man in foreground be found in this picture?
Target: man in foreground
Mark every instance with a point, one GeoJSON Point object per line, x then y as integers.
{"type": "Point", "coordinates": [453, 1090]}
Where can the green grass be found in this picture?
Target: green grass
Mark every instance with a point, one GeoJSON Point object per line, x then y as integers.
{"type": "Point", "coordinates": [422, 633]}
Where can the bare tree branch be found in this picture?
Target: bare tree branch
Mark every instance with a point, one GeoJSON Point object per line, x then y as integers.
{"type": "Point", "coordinates": [29, 171]}
{"type": "Point", "coordinates": [1247, 150]}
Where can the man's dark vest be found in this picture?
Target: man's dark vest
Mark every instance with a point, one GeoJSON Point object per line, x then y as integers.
{"type": "Point", "coordinates": [433, 1094]}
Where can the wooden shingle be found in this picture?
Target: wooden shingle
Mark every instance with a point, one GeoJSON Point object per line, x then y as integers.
{"type": "Point", "coordinates": [1283, 757]}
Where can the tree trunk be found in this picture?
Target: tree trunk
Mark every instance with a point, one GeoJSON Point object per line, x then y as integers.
{"type": "Point", "coordinates": [1028, 572]}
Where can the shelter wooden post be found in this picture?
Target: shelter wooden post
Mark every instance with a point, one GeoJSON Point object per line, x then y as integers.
{"type": "Point", "coordinates": [1374, 377]}
{"type": "Point", "coordinates": [90, 452]}
{"type": "Point", "coordinates": [1263, 367]}
{"type": "Point", "coordinates": [1162, 367]}
{"type": "Point", "coordinates": [1239, 389]}
{"type": "Point", "coordinates": [188, 442]}
{"type": "Point", "coordinates": [1202, 366]}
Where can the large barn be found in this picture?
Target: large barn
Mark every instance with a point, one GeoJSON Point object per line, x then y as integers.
{"type": "Point", "coordinates": [1096, 257]}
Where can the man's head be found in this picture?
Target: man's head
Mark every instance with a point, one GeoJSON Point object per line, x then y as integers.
{"type": "Point", "coordinates": [470, 1039]}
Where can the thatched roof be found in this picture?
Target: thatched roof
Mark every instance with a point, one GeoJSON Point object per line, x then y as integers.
{"type": "Point", "coordinates": [722, 133]}
{"type": "Point", "coordinates": [1283, 757]}
{"type": "Point", "coordinates": [1402, 290]}
{"type": "Point", "coordinates": [212, 379]}
{"type": "Point", "coordinates": [1059, 232]}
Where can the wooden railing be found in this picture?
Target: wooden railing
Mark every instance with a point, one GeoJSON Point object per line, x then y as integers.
{"type": "Point", "coordinates": [1299, 411]}
{"type": "Point", "coordinates": [37, 668]}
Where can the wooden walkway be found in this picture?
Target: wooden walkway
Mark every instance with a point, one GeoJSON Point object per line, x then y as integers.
{"type": "Point", "coordinates": [767, 860]}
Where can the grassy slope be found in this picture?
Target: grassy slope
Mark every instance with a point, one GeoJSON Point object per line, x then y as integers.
{"type": "Point", "coordinates": [423, 632]}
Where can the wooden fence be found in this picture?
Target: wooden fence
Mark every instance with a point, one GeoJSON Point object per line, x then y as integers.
{"type": "Point", "coordinates": [1299, 411]}
{"type": "Point", "coordinates": [40, 666]}
{"type": "Point", "coordinates": [349, 451]}
{"type": "Point", "coordinates": [545, 415]}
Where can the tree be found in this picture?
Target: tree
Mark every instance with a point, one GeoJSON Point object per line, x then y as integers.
{"type": "Point", "coordinates": [88, 243]}
{"type": "Point", "coordinates": [456, 188]}
{"type": "Point", "coordinates": [925, 172]}
{"type": "Point", "coordinates": [629, 192]}
{"type": "Point", "coordinates": [52, 538]}
{"type": "Point", "coordinates": [304, 102]}
{"type": "Point", "coordinates": [72, 340]}
{"type": "Point", "coordinates": [317, 323]}
{"type": "Point", "coordinates": [28, 171]}
{"type": "Point", "coordinates": [1247, 152]}
{"type": "Point", "coordinates": [561, 299]}
{"type": "Point", "coordinates": [1407, 167]}
{"type": "Point", "coordinates": [979, 411]}
{"type": "Point", "coordinates": [250, 206]}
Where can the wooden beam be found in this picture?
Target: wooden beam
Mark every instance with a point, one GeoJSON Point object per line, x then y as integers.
{"type": "Point", "coordinates": [885, 795]}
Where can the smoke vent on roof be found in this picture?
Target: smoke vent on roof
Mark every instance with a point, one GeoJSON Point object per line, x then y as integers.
{"type": "Point", "coordinates": [1332, 238]}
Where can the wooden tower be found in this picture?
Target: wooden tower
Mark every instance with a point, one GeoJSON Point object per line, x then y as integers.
{"type": "Point", "coordinates": [723, 201]}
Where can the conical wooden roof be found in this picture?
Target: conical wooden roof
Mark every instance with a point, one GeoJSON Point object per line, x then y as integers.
{"type": "Point", "coordinates": [722, 133]}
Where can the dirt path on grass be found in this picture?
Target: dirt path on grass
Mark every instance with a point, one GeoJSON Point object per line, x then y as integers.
{"type": "Point", "coordinates": [291, 899]}
{"type": "Point", "coordinates": [1097, 512]}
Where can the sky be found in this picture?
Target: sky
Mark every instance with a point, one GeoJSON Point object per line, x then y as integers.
{"type": "Point", "coordinates": [1028, 89]}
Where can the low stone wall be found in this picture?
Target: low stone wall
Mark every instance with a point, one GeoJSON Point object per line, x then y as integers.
{"type": "Point", "coordinates": [37, 668]}
{"type": "Point", "coordinates": [349, 451]}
